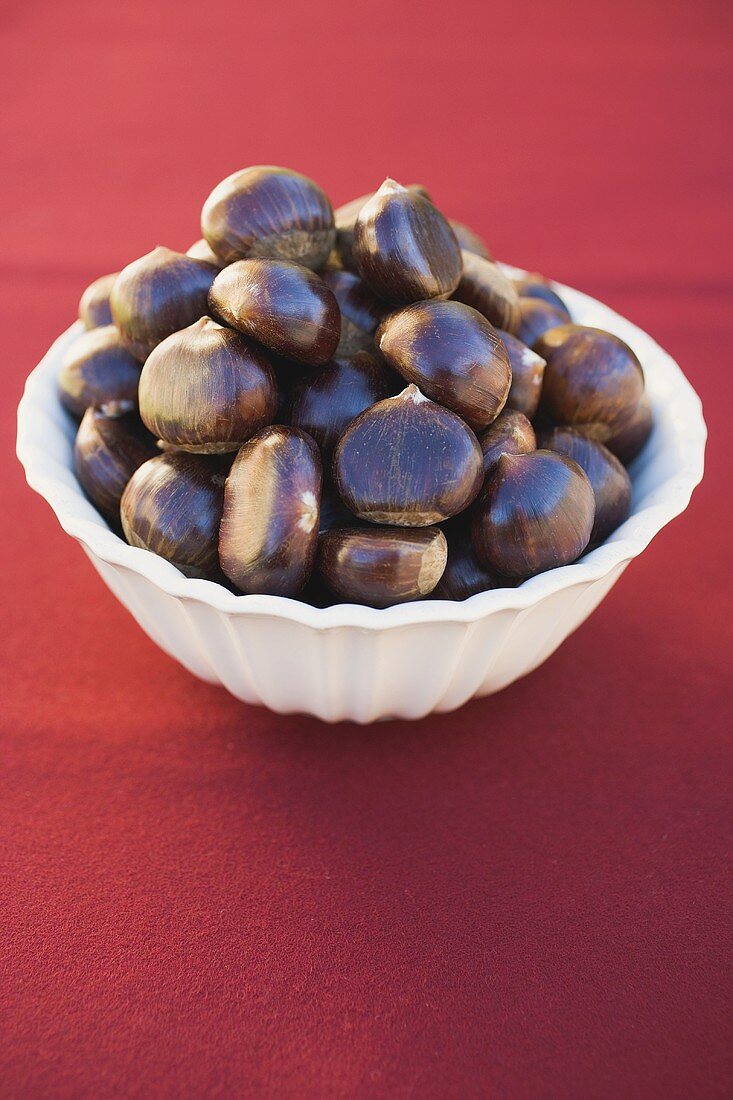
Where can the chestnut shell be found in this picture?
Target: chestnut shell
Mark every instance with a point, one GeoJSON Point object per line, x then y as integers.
{"type": "Point", "coordinates": [94, 307]}
{"type": "Point", "coordinates": [453, 354]}
{"type": "Point", "coordinates": [382, 566]}
{"type": "Point", "coordinates": [345, 218]}
{"type": "Point", "coordinates": [404, 248]}
{"type": "Point", "coordinates": [510, 434]}
{"type": "Point", "coordinates": [484, 286]}
{"type": "Point", "coordinates": [281, 305]}
{"type": "Point", "coordinates": [269, 528]}
{"type": "Point", "coordinates": [97, 370]}
{"type": "Point", "coordinates": [107, 451]}
{"type": "Point", "coordinates": [469, 241]}
{"type": "Point", "coordinates": [202, 250]}
{"type": "Point", "coordinates": [528, 370]}
{"type": "Point", "coordinates": [272, 213]}
{"type": "Point", "coordinates": [172, 506]}
{"type": "Point", "coordinates": [537, 286]}
{"type": "Point", "coordinates": [407, 461]}
{"type": "Point", "coordinates": [536, 317]}
{"type": "Point", "coordinates": [536, 512]}
{"type": "Point", "coordinates": [325, 404]}
{"type": "Point", "coordinates": [361, 311]}
{"type": "Point", "coordinates": [464, 575]}
{"type": "Point", "coordinates": [610, 482]}
{"type": "Point", "coordinates": [629, 437]}
{"type": "Point", "coordinates": [157, 295]}
{"type": "Point", "coordinates": [207, 389]}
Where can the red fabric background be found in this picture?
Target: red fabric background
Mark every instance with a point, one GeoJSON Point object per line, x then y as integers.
{"type": "Point", "coordinates": [524, 899]}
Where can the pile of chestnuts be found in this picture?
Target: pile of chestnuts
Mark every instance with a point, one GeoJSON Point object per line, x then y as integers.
{"type": "Point", "coordinates": [354, 405]}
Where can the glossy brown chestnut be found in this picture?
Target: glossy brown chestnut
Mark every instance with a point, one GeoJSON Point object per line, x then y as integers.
{"type": "Point", "coordinates": [361, 311]}
{"type": "Point", "coordinates": [528, 369]}
{"type": "Point", "coordinates": [453, 354]}
{"type": "Point", "coordinates": [207, 389]}
{"type": "Point", "coordinates": [282, 305]}
{"type": "Point", "coordinates": [464, 574]}
{"type": "Point", "coordinates": [609, 480]}
{"type": "Point", "coordinates": [345, 218]}
{"type": "Point", "coordinates": [591, 378]}
{"type": "Point", "coordinates": [628, 438]}
{"type": "Point", "coordinates": [201, 250]}
{"type": "Point", "coordinates": [536, 513]}
{"type": "Point", "coordinates": [325, 404]}
{"type": "Point", "coordinates": [407, 461]}
{"type": "Point", "coordinates": [403, 247]}
{"type": "Point", "coordinates": [537, 317]}
{"type": "Point", "coordinates": [107, 451]}
{"type": "Point", "coordinates": [510, 434]}
{"type": "Point", "coordinates": [269, 530]}
{"type": "Point", "coordinates": [381, 566]}
{"type": "Point", "coordinates": [94, 308]}
{"type": "Point", "coordinates": [484, 286]}
{"type": "Point", "coordinates": [537, 286]}
{"type": "Point", "coordinates": [172, 506]}
{"type": "Point", "coordinates": [271, 213]}
{"type": "Point", "coordinates": [159, 294]}
{"type": "Point", "coordinates": [98, 370]}
{"type": "Point", "coordinates": [468, 240]}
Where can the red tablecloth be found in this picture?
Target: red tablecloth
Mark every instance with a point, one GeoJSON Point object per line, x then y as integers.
{"type": "Point", "coordinates": [524, 899]}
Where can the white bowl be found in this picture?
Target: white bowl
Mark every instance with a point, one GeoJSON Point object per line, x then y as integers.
{"type": "Point", "coordinates": [353, 662]}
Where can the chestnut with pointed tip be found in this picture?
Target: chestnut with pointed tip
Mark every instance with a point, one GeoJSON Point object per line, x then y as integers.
{"type": "Point", "coordinates": [202, 250]}
{"type": "Point", "coordinates": [510, 434]}
{"type": "Point", "coordinates": [591, 378]}
{"type": "Point", "coordinates": [272, 213]}
{"type": "Point", "coordinates": [172, 506]}
{"type": "Point", "coordinates": [528, 369]}
{"type": "Point", "coordinates": [610, 482]}
{"type": "Point", "coordinates": [407, 461]}
{"type": "Point", "coordinates": [326, 403]}
{"type": "Point", "coordinates": [536, 512]}
{"type": "Point", "coordinates": [157, 295]}
{"type": "Point", "coordinates": [94, 308]}
{"type": "Point", "coordinates": [361, 311]}
{"type": "Point", "coordinates": [207, 389]}
{"type": "Point", "coordinates": [345, 218]}
{"type": "Point", "coordinates": [403, 247]}
{"type": "Point", "coordinates": [98, 370]}
{"type": "Point", "coordinates": [484, 286]}
{"type": "Point", "coordinates": [281, 305]}
{"type": "Point", "coordinates": [536, 317]}
{"type": "Point", "coordinates": [382, 566]}
{"type": "Point", "coordinates": [453, 354]}
{"type": "Point", "coordinates": [537, 286]}
{"type": "Point", "coordinates": [464, 575]}
{"type": "Point", "coordinates": [269, 529]}
{"type": "Point", "coordinates": [107, 451]}
{"type": "Point", "coordinates": [468, 240]}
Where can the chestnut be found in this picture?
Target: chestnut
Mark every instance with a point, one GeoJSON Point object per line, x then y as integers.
{"type": "Point", "coordinates": [107, 451]}
{"type": "Point", "coordinates": [207, 389]}
{"type": "Point", "coordinates": [484, 286]}
{"type": "Point", "coordinates": [535, 513]}
{"type": "Point", "coordinates": [610, 482]}
{"type": "Point", "coordinates": [361, 311]}
{"type": "Point", "coordinates": [345, 218]}
{"type": "Point", "coordinates": [334, 512]}
{"type": "Point", "coordinates": [628, 438]}
{"type": "Point", "coordinates": [325, 403]}
{"type": "Point", "coordinates": [407, 461]}
{"type": "Point", "coordinates": [94, 308]}
{"type": "Point", "coordinates": [453, 354]}
{"type": "Point", "coordinates": [537, 317]}
{"type": "Point", "coordinates": [282, 305]}
{"type": "Point", "coordinates": [381, 566]}
{"type": "Point", "coordinates": [157, 295]}
{"type": "Point", "coordinates": [510, 434]}
{"type": "Point", "coordinates": [468, 240]}
{"type": "Point", "coordinates": [172, 506]}
{"type": "Point", "coordinates": [537, 286]}
{"type": "Point", "coordinates": [271, 213]}
{"type": "Point", "coordinates": [591, 378]}
{"type": "Point", "coordinates": [464, 575]}
{"type": "Point", "coordinates": [202, 250]}
{"type": "Point", "coordinates": [269, 529]}
{"type": "Point", "coordinates": [528, 369]}
{"type": "Point", "coordinates": [403, 247]}
{"type": "Point", "coordinates": [98, 370]}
